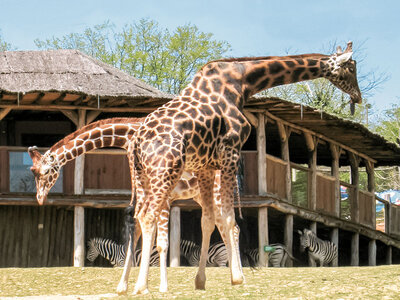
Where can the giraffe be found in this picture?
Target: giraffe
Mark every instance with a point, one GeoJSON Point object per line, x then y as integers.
{"type": "Point", "coordinates": [116, 132]}
{"type": "Point", "coordinates": [203, 130]}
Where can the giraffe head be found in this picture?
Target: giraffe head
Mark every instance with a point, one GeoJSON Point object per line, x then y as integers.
{"type": "Point", "coordinates": [342, 72]}
{"type": "Point", "coordinates": [46, 170]}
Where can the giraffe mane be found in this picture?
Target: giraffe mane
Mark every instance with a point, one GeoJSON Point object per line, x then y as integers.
{"type": "Point", "coordinates": [241, 59]}
{"type": "Point", "coordinates": [92, 126]}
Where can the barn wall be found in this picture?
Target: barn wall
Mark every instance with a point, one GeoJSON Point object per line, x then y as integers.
{"type": "Point", "coordinates": [32, 236]}
{"type": "Point", "coordinates": [104, 171]}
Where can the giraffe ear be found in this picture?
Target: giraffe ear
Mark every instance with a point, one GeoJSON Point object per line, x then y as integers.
{"type": "Point", "coordinates": [342, 58]}
{"type": "Point", "coordinates": [339, 50]}
{"type": "Point", "coordinates": [34, 154]}
{"type": "Point", "coordinates": [349, 47]}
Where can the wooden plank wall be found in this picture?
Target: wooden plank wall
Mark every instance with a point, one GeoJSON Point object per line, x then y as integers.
{"type": "Point", "coordinates": [395, 220]}
{"type": "Point", "coordinates": [250, 167]}
{"type": "Point", "coordinates": [107, 172]}
{"type": "Point", "coordinates": [276, 174]}
{"type": "Point", "coordinates": [326, 194]}
{"type": "Point", "coordinates": [33, 236]}
{"type": "Point", "coordinates": [365, 205]}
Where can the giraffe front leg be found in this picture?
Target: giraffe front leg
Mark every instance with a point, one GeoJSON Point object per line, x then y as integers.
{"type": "Point", "coordinates": [148, 228]}
{"type": "Point", "coordinates": [162, 247]}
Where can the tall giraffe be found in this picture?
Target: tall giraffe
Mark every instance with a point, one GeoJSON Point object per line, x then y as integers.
{"type": "Point", "coordinates": [116, 132]}
{"type": "Point", "coordinates": [204, 129]}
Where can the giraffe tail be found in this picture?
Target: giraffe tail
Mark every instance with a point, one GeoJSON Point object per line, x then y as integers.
{"type": "Point", "coordinates": [237, 199]}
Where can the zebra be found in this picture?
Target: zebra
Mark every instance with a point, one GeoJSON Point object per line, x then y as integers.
{"type": "Point", "coordinates": [217, 254]}
{"type": "Point", "coordinates": [322, 251]}
{"type": "Point", "coordinates": [276, 258]}
{"type": "Point", "coordinates": [116, 253]}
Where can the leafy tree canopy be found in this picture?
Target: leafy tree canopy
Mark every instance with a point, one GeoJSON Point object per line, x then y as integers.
{"type": "Point", "coordinates": [167, 60]}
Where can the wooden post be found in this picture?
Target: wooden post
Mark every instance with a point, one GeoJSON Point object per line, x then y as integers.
{"type": "Point", "coordinates": [312, 174]}
{"type": "Point", "coordinates": [262, 160]}
{"type": "Point", "coordinates": [313, 228]}
{"type": "Point", "coordinates": [263, 238]}
{"type": "Point", "coordinates": [387, 214]}
{"type": "Point", "coordinates": [354, 178]}
{"type": "Point", "coordinates": [372, 253]}
{"type": "Point", "coordinates": [371, 189]}
{"type": "Point", "coordinates": [262, 190]}
{"type": "Point", "coordinates": [389, 255]}
{"type": "Point", "coordinates": [288, 237]}
{"type": "Point", "coordinates": [284, 133]}
{"type": "Point", "coordinates": [335, 152]}
{"type": "Point", "coordinates": [335, 240]}
{"type": "Point", "coordinates": [175, 237]}
{"type": "Point", "coordinates": [79, 213]}
{"type": "Point", "coordinates": [355, 249]}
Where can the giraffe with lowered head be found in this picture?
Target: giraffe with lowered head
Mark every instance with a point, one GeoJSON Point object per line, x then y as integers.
{"type": "Point", "coordinates": [115, 132]}
{"type": "Point", "coordinates": [204, 129]}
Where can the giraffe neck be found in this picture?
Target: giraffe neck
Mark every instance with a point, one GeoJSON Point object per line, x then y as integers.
{"type": "Point", "coordinates": [238, 79]}
{"type": "Point", "coordinates": [264, 74]}
{"type": "Point", "coordinates": [115, 132]}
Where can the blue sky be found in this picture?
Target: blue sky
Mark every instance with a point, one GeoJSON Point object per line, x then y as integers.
{"type": "Point", "coordinates": [253, 28]}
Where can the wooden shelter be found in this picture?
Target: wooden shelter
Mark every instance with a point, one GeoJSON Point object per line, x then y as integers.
{"type": "Point", "coordinates": [290, 168]}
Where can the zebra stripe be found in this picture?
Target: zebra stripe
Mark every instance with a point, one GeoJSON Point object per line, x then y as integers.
{"type": "Point", "coordinates": [277, 258]}
{"type": "Point", "coordinates": [322, 251]}
{"type": "Point", "coordinates": [116, 253]}
{"type": "Point", "coordinates": [217, 254]}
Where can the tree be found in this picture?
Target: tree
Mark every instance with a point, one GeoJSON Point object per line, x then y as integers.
{"type": "Point", "coordinates": [4, 46]}
{"type": "Point", "coordinates": [389, 128]}
{"type": "Point", "coordinates": [166, 60]}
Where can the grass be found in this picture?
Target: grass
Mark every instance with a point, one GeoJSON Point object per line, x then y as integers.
{"type": "Point", "coordinates": [381, 282]}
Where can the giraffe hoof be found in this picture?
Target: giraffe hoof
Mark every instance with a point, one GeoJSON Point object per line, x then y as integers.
{"type": "Point", "coordinates": [140, 291]}
{"type": "Point", "coordinates": [122, 289]}
{"type": "Point", "coordinates": [163, 289]}
{"type": "Point", "coordinates": [199, 283]}
{"type": "Point", "coordinates": [236, 281]}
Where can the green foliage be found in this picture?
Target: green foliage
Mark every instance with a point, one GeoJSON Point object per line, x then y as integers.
{"type": "Point", "coordinates": [4, 46]}
{"type": "Point", "coordinates": [167, 60]}
{"type": "Point", "coordinates": [389, 127]}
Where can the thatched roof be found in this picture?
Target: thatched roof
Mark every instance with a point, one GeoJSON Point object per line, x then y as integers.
{"type": "Point", "coordinates": [346, 132]}
{"type": "Point", "coordinates": [68, 71]}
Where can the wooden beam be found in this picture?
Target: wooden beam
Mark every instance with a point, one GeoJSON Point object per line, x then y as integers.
{"type": "Point", "coordinates": [335, 240]}
{"type": "Point", "coordinates": [175, 237]}
{"type": "Point", "coordinates": [284, 133]}
{"type": "Point", "coordinates": [91, 115]}
{"type": "Point", "coordinates": [288, 237]}
{"type": "Point", "coordinates": [354, 180]}
{"type": "Point", "coordinates": [262, 160]}
{"type": "Point", "coordinates": [335, 153]}
{"type": "Point", "coordinates": [371, 188]}
{"type": "Point", "coordinates": [355, 249]}
{"type": "Point", "coordinates": [389, 255]}
{"type": "Point", "coordinates": [263, 238]}
{"type": "Point", "coordinates": [318, 135]}
{"type": "Point", "coordinates": [312, 179]}
{"type": "Point", "coordinates": [251, 118]}
{"type": "Point", "coordinates": [4, 112]}
{"type": "Point", "coordinates": [73, 116]}
{"type": "Point", "coordinates": [313, 228]}
{"type": "Point", "coordinates": [72, 107]}
{"type": "Point", "coordinates": [372, 253]}
{"type": "Point", "coordinates": [79, 213]}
